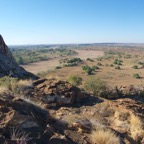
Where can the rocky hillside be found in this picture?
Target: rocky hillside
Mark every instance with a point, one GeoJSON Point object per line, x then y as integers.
{"type": "Point", "coordinates": [55, 112]}
{"type": "Point", "coordinates": [8, 65]}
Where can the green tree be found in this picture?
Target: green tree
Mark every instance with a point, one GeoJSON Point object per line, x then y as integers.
{"type": "Point", "coordinates": [88, 69]}
{"type": "Point", "coordinates": [20, 60]}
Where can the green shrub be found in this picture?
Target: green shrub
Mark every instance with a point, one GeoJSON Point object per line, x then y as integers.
{"type": "Point", "coordinates": [135, 67]}
{"type": "Point", "coordinates": [97, 87]}
{"type": "Point", "coordinates": [99, 64]}
{"type": "Point", "coordinates": [74, 80]}
{"type": "Point", "coordinates": [117, 67]}
{"type": "Point", "coordinates": [117, 62]}
{"type": "Point", "coordinates": [87, 69]}
{"type": "Point", "coordinates": [58, 67]}
{"type": "Point", "coordinates": [137, 76]}
{"type": "Point", "coordinates": [74, 60]}
{"type": "Point", "coordinates": [91, 60]}
{"type": "Point", "coordinates": [95, 67]}
{"type": "Point", "coordinates": [140, 63]}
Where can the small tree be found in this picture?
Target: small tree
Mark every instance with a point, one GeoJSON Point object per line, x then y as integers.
{"type": "Point", "coordinates": [88, 69]}
{"type": "Point", "coordinates": [97, 87]}
{"type": "Point", "coordinates": [20, 60]}
{"type": "Point", "coordinates": [74, 80]}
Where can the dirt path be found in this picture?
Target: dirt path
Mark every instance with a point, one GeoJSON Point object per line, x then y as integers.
{"type": "Point", "coordinates": [51, 64]}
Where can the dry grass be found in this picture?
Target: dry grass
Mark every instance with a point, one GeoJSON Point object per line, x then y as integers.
{"type": "Point", "coordinates": [3, 89]}
{"type": "Point", "coordinates": [27, 83]}
{"type": "Point", "coordinates": [121, 120]}
{"type": "Point", "coordinates": [38, 67]}
{"type": "Point", "coordinates": [8, 84]}
{"type": "Point", "coordinates": [114, 77]}
{"type": "Point", "coordinates": [102, 136]}
{"type": "Point", "coordinates": [19, 136]}
{"type": "Point", "coordinates": [136, 127]}
{"type": "Point", "coordinates": [70, 119]}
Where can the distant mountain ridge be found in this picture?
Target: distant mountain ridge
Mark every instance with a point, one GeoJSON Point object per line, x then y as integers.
{"type": "Point", "coordinates": [77, 45]}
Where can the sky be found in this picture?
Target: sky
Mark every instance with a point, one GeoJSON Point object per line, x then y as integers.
{"type": "Point", "coordinates": [71, 21]}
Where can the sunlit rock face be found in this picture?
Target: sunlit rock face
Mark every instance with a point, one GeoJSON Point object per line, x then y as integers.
{"type": "Point", "coordinates": [8, 65]}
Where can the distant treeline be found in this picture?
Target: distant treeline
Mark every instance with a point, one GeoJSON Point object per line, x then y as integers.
{"type": "Point", "coordinates": [30, 55]}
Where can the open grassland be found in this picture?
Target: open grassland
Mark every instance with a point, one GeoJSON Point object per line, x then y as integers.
{"type": "Point", "coordinates": [115, 73]}
{"type": "Point", "coordinates": [53, 62]}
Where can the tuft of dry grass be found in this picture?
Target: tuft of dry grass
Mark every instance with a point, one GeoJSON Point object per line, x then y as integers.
{"type": "Point", "coordinates": [102, 136]}
{"type": "Point", "coordinates": [21, 137]}
{"type": "Point", "coordinates": [136, 127]}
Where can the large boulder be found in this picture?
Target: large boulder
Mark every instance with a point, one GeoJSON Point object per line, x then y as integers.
{"type": "Point", "coordinates": [8, 65]}
{"type": "Point", "coordinates": [58, 92]}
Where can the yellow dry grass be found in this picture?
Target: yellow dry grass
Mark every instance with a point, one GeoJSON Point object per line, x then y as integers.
{"type": "Point", "coordinates": [102, 136]}
{"type": "Point", "coordinates": [136, 127]}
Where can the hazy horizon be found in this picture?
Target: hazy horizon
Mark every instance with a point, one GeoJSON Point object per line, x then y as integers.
{"type": "Point", "coordinates": [34, 22]}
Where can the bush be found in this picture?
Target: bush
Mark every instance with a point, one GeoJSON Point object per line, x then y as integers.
{"type": "Point", "coordinates": [117, 62]}
{"type": "Point", "coordinates": [58, 67]}
{"type": "Point", "coordinates": [135, 67]}
{"type": "Point", "coordinates": [91, 60]}
{"type": "Point", "coordinates": [117, 67]}
{"type": "Point", "coordinates": [137, 76]}
{"type": "Point", "coordinates": [88, 69]}
{"type": "Point", "coordinates": [99, 64]}
{"type": "Point", "coordinates": [74, 60]}
{"type": "Point", "coordinates": [97, 87]}
{"type": "Point", "coordinates": [95, 67]}
{"type": "Point", "coordinates": [74, 80]}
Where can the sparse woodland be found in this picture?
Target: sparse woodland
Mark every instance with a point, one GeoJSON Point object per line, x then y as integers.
{"type": "Point", "coordinates": [95, 100]}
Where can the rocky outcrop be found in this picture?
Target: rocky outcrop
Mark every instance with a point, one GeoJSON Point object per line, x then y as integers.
{"type": "Point", "coordinates": [25, 122]}
{"type": "Point", "coordinates": [8, 65]}
{"type": "Point", "coordinates": [58, 92]}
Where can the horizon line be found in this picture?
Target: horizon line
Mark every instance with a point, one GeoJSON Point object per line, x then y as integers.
{"type": "Point", "coordinates": [77, 43]}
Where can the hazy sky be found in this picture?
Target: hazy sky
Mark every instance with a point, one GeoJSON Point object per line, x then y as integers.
{"type": "Point", "coordinates": [71, 21]}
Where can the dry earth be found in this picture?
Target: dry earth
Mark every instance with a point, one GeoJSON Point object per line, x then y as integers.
{"type": "Point", "coordinates": [51, 64]}
{"type": "Point", "coordinates": [114, 77]}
